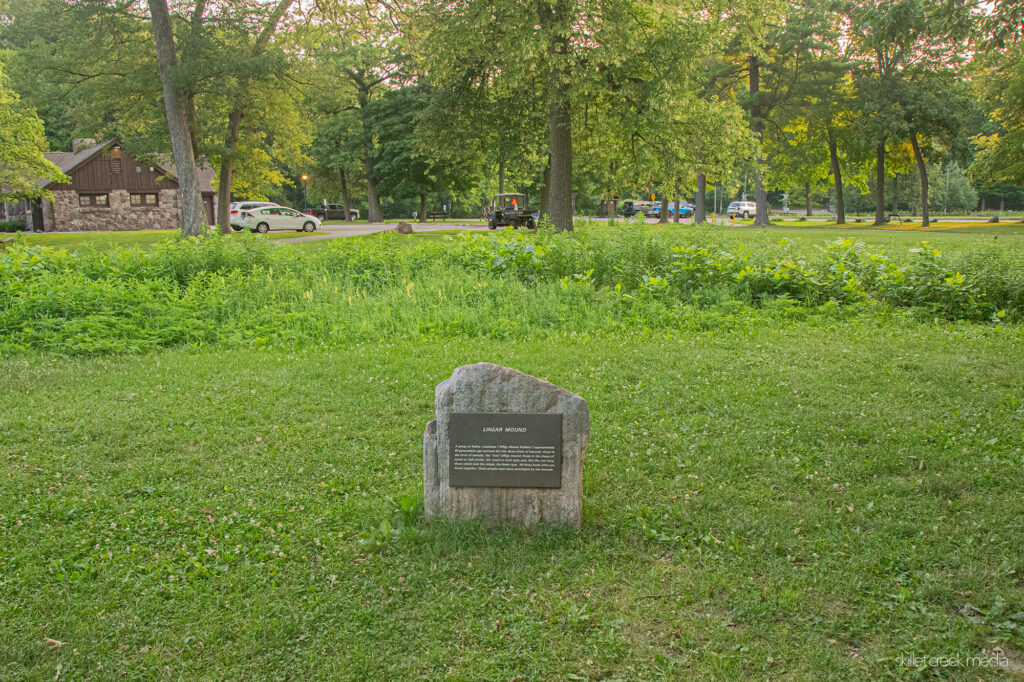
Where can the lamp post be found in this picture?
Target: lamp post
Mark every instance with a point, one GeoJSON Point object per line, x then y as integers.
{"type": "Point", "coordinates": [305, 202]}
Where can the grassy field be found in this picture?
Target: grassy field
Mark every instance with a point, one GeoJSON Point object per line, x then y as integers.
{"type": "Point", "coordinates": [105, 241]}
{"type": "Point", "coordinates": [774, 489]}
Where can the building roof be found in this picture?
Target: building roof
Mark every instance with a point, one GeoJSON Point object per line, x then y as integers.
{"type": "Point", "coordinates": [68, 161]}
{"type": "Point", "coordinates": [206, 173]}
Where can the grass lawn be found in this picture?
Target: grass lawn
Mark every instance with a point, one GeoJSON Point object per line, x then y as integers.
{"type": "Point", "coordinates": [105, 241]}
{"type": "Point", "coordinates": [772, 489]}
{"type": "Point", "coordinates": [971, 227]}
{"type": "Point", "coordinates": [794, 499]}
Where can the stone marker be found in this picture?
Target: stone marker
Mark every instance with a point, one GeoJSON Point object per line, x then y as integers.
{"type": "Point", "coordinates": [403, 228]}
{"type": "Point", "coordinates": [505, 447]}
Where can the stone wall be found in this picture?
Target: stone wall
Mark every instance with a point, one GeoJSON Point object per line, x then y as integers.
{"type": "Point", "coordinates": [65, 215]}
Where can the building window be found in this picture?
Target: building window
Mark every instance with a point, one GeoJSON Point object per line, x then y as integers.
{"type": "Point", "coordinates": [94, 200]}
{"type": "Point", "coordinates": [144, 200]}
{"type": "Point", "coordinates": [116, 162]}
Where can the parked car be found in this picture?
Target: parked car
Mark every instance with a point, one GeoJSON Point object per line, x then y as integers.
{"type": "Point", "coordinates": [333, 212]}
{"type": "Point", "coordinates": [685, 210]}
{"type": "Point", "coordinates": [653, 210]}
{"type": "Point", "coordinates": [631, 208]}
{"type": "Point", "coordinates": [744, 209]}
{"type": "Point", "coordinates": [237, 207]}
{"type": "Point", "coordinates": [266, 218]}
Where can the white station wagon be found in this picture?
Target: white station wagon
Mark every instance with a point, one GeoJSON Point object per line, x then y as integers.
{"type": "Point", "coordinates": [267, 218]}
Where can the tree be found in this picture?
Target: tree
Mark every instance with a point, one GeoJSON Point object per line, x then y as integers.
{"type": "Point", "coordinates": [22, 143]}
{"type": "Point", "coordinates": [240, 105]}
{"type": "Point", "coordinates": [896, 38]}
{"type": "Point", "coordinates": [176, 105]}
{"type": "Point", "coordinates": [404, 166]}
{"type": "Point", "coordinates": [936, 108]}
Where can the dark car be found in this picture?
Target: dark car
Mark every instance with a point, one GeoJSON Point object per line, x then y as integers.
{"type": "Point", "coordinates": [333, 212]}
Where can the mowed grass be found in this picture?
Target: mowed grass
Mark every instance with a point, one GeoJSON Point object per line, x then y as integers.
{"type": "Point", "coordinates": [128, 239]}
{"type": "Point", "coordinates": [787, 498]}
{"type": "Point", "coordinates": [815, 232]}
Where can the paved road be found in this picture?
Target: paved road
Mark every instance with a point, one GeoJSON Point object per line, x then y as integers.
{"type": "Point", "coordinates": [340, 230]}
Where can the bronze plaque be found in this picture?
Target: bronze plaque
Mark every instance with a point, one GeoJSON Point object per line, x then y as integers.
{"type": "Point", "coordinates": [504, 450]}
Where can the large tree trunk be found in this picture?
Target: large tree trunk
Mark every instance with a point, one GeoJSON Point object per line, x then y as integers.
{"type": "Point", "coordinates": [346, 197]}
{"type": "Point", "coordinates": [423, 207]}
{"type": "Point", "coordinates": [923, 172]}
{"type": "Point", "coordinates": [227, 171]}
{"type": "Point", "coordinates": [1002, 204]}
{"type": "Point", "coordinates": [241, 102]}
{"type": "Point", "coordinates": [559, 118]}
{"type": "Point", "coordinates": [176, 108]}
{"type": "Point", "coordinates": [761, 216]}
{"type": "Point", "coordinates": [663, 213]}
{"type": "Point", "coordinates": [982, 203]}
{"type": "Point", "coordinates": [895, 194]}
{"type": "Point", "coordinates": [699, 212]}
{"type": "Point", "coordinates": [807, 198]}
{"type": "Point", "coordinates": [880, 185]}
{"type": "Point", "coordinates": [373, 212]}
{"type": "Point", "coordinates": [837, 178]}
{"type": "Point", "coordinates": [501, 176]}
{"type": "Point", "coordinates": [545, 194]}
{"type": "Point", "coordinates": [196, 25]}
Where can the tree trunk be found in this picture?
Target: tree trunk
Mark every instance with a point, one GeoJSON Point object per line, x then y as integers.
{"type": "Point", "coordinates": [241, 103]}
{"type": "Point", "coordinates": [761, 216]}
{"type": "Point", "coordinates": [559, 118]}
{"type": "Point", "coordinates": [982, 203]}
{"type": "Point", "coordinates": [545, 205]}
{"type": "Point", "coordinates": [176, 109]}
{"type": "Point", "coordinates": [880, 185]}
{"type": "Point", "coordinates": [195, 25]}
{"type": "Point", "coordinates": [807, 198]}
{"type": "Point", "coordinates": [1002, 204]}
{"type": "Point", "coordinates": [423, 207]}
{"type": "Point", "coordinates": [346, 198]}
{"type": "Point", "coordinates": [895, 194]}
{"type": "Point", "coordinates": [501, 176]}
{"type": "Point", "coordinates": [675, 218]}
{"type": "Point", "coordinates": [923, 172]}
{"type": "Point", "coordinates": [373, 212]}
{"type": "Point", "coordinates": [663, 213]}
{"type": "Point", "coordinates": [837, 178]}
{"type": "Point", "coordinates": [227, 170]}
{"type": "Point", "coordinates": [699, 212]}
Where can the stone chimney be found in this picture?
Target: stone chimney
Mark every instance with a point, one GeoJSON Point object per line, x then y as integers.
{"type": "Point", "coordinates": [79, 143]}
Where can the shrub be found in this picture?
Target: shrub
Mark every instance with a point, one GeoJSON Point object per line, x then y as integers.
{"type": "Point", "coordinates": [245, 291]}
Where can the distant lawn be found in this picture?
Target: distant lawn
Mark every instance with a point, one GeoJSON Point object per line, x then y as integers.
{"type": "Point", "coordinates": [104, 241]}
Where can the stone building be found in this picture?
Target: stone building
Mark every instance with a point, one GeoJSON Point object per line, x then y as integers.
{"type": "Point", "coordinates": [109, 190]}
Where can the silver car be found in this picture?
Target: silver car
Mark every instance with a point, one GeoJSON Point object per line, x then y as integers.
{"type": "Point", "coordinates": [267, 218]}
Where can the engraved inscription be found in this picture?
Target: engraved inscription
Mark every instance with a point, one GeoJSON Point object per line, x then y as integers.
{"type": "Point", "coordinates": [508, 450]}
{"type": "Point", "coordinates": [503, 457]}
